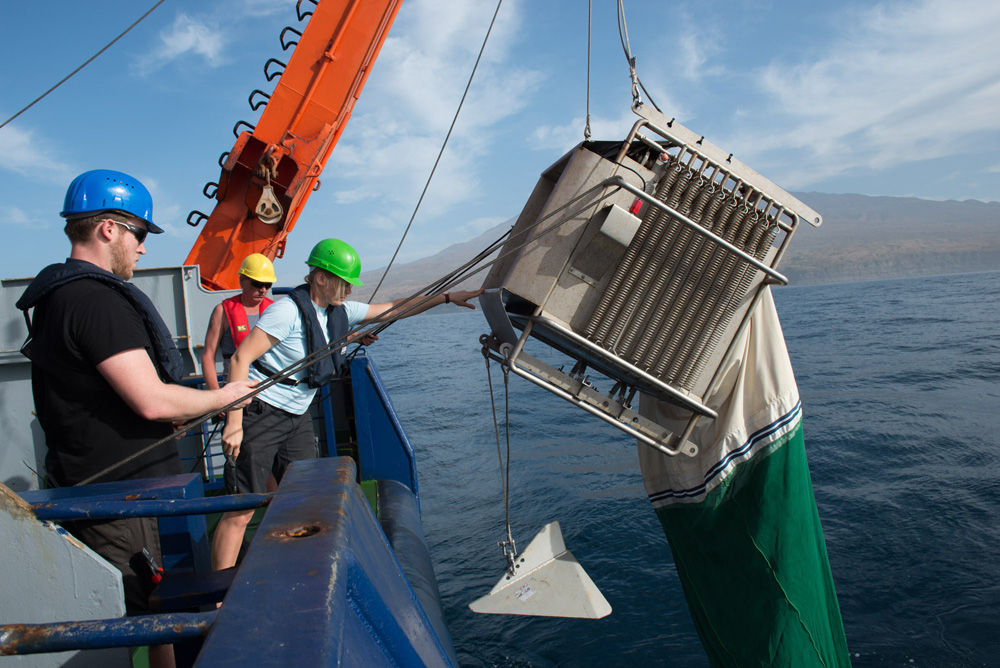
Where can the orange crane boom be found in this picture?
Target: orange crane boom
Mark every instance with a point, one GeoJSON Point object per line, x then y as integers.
{"type": "Point", "coordinates": [273, 167]}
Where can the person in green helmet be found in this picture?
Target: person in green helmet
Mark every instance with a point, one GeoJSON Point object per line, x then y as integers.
{"type": "Point", "coordinates": [275, 429]}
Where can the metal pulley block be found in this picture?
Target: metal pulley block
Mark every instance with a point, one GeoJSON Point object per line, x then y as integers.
{"type": "Point", "coordinates": [268, 209]}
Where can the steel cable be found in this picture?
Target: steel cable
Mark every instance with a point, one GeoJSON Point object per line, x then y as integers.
{"type": "Point", "coordinates": [430, 177]}
{"type": "Point", "coordinates": [590, 14]}
{"type": "Point", "coordinates": [414, 301]}
{"type": "Point", "coordinates": [87, 62]}
{"type": "Point", "coordinates": [627, 47]}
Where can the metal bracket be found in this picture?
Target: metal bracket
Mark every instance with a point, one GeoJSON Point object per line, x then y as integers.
{"type": "Point", "coordinates": [581, 395]}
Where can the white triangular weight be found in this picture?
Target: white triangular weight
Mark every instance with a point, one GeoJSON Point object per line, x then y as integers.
{"type": "Point", "coordinates": [547, 582]}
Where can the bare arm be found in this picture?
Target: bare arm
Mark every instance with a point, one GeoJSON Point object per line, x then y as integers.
{"type": "Point", "coordinates": [212, 339]}
{"type": "Point", "coordinates": [253, 346]}
{"type": "Point", "coordinates": [133, 377]}
{"type": "Point", "coordinates": [412, 306]}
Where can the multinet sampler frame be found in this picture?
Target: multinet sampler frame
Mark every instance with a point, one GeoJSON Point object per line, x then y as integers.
{"type": "Point", "coordinates": [656, 303]}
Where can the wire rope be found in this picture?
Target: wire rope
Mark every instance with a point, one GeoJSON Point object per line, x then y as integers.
{"type": "Point", "coordinates": [204, 449]}
{"type": "Point", "coordinates": [504, 464]}
{"type": "Point", "coordinates": [590, 24]}
{"type": "Point", "coordinates": [89, 60]}
{"type": "Point", "coordinates": [456, 276]}
{"type": "Point", "coordinates": [464, 272]}
{"type": "Point", "coordinates": [430, 177]}
{"type": "Point", "coordinates": [627, 47]}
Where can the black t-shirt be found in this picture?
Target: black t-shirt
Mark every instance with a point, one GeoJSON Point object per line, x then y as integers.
{"type": "Point", "coordinates": [88, 427]}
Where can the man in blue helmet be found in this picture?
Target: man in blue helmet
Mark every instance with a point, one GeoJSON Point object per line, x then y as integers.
{"type": "Point", "coordinates": [104, 367]}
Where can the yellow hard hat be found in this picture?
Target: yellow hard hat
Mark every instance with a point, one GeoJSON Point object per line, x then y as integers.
{"type": "Point", "coordinates": [257, 267]}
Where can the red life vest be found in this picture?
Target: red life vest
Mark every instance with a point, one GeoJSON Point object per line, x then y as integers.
{"type": "Point", "coordinates": [236, 316]}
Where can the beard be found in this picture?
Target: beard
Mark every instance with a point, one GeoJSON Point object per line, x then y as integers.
{"type": "Point", "coordinates": [121, 259]}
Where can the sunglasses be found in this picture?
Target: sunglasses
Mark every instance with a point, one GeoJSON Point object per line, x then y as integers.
{"type": "Point", "coordinates": [138, 232]}
{"type": "Point", "coordinates": [259, 285]}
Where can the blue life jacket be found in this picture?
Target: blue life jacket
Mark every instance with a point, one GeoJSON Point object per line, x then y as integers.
{"type": "Point", "coordinates": [166, 358]}
{"type": "Point", "coordinates": [325, 370]}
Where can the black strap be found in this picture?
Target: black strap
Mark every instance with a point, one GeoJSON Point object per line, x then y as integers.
{"type": "Point", "coordinates": [166, 358]}
{"type": "Point", "coordinates": [268, 373]}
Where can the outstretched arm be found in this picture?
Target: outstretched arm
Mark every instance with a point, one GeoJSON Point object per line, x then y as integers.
{"type": "Point", "coordinates": [132, 375]}
{"type": "Point", "coordinates": [407, 306]}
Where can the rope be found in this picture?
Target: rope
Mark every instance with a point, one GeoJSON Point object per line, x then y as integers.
{"type": "Point", "coordinates": [464, 272]}
{"type": "Point", "coordinates": [508, 547]}
{"type": "Point", "coordinates": [506, 491]}
{"type": "Point", "coordinates": [418, 299]}
{"type": "Point", "coordinates": [470, 269]}
{"type": "Point", "coordinates": [440, 153]}
{"type": "Point", "coordinates": [590, 15]}
{"type": "Point", "coordinates": [204, 449]}
{"type": "Point", "coordinates": [67, 77]}
{"type": "Point", "coordinates": [445, 282]}
{"type": "Point", "coordinates": [627, 47]}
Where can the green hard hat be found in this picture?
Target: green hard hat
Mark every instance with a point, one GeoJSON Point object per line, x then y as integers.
{"type": "Point", "coordinates": [338, 258]}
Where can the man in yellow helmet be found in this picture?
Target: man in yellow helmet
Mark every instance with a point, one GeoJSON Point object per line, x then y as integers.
{"type": "Point", "coordinates": [276, 429]}
{"type": "Point", "coordinates": [233, 319]}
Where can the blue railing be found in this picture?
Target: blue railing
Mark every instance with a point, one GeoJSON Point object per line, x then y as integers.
{"type": "Point", "coordinates": [321, 583]}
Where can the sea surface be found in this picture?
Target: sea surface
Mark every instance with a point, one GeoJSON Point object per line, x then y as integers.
{"type": "Point", "coordinates": [900, 386]}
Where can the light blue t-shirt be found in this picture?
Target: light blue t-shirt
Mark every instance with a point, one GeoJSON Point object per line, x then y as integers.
{"type": "Point", "coordinates": [282, 321]}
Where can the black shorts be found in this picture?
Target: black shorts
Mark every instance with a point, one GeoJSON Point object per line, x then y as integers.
{"type": "Point", "coordinates": [272, 439]}
{"type": "Point", "coordinates": [121, 542]}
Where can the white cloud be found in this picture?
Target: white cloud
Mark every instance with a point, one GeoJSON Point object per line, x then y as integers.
{"type": "Point", "coordinates": [696, 50]}
{"type": "Point", "coordinates": [378, 222]}
{"type": "Point", "coordinates": [906, 82]}
{"type": "Point", "coordinates": [427, 67]}
{"type": "Point", "coordinates": [18, 217]}
{"type": "Point", "coordinates": [187, 36]}
{"type": "Point", "coordinates": [564, 137]}
{"type": "Point", "coordinates": [30, 156]}
{"type": "Point", "coordinates": [423, 69]}
{"type": "Point", "coordinates": [269, 7]}
{"type": "Point", "coordinates": [372, 167]}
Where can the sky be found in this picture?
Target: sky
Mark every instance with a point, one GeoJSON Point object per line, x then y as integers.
{"type": "Point", "coordinates": [886, 98]}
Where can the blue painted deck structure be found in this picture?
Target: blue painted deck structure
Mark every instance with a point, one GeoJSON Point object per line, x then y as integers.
{"type": "Point", "coordinates": [324, 582]}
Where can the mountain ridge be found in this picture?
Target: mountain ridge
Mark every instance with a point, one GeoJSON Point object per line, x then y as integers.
{"type": "Point", "coordinates": [863, 237]}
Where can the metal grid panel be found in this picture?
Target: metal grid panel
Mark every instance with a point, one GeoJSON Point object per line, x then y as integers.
{"type": "Point", "coordinates": [657, 301]}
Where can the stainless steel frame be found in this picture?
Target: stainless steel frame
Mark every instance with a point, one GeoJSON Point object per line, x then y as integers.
{"type": "Point", "coordinates": [555, 289]}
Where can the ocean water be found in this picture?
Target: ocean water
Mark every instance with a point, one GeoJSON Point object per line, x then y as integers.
{"type": "Point", "coordinates": [900, 385]}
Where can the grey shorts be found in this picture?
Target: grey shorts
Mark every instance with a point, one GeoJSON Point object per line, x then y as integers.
{"type": "Point", "coordinates": [121, 542]}
{"type": "Point", "coordinates": [272, 439]}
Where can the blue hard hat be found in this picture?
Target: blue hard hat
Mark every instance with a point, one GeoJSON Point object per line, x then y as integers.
{"type": "Point", "coordinates": [107, 190]}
